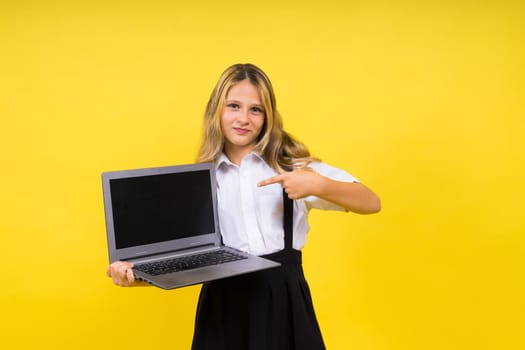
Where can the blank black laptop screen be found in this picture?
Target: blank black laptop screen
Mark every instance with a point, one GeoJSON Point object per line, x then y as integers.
{"type": "Point", "coordinates": [158, 208]}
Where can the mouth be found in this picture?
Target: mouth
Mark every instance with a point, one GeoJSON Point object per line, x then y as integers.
{"type": "Point", "coordinates": [241, 131]}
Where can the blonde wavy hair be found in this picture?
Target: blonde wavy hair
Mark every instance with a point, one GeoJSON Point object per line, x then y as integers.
{"type": "Point", "coordinates": [278, 148]}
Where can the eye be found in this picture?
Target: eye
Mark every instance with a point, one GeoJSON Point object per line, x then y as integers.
{"type": "Point", "coordinates": [256, 110]}
{"type": "Point", "coordinates": [233, 105]}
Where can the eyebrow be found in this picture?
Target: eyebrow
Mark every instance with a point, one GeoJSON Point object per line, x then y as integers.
{"type": "Point", "coordinates": [239, 102]}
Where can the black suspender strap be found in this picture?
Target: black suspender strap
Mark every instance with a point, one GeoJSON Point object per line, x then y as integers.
{"type": "Point", "coordinates": [287, 221]}
{"type": "Point", "coordinates": [288, 255]}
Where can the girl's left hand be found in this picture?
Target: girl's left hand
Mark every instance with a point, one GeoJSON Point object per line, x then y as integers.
{"type": "Point", "coordinates": [298, 184]}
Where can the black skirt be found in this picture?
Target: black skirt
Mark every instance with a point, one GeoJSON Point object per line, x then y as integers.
{"type": "Point", "coordinates": [266, 310]}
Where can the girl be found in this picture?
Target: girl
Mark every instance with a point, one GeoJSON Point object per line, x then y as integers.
{"type": "Point", "coordinates": [260, 170]}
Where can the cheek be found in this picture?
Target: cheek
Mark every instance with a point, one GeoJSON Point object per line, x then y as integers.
{"type": "Point", "coordinates": [225, 119]}
{"type": "Point", "coordinates": [258, 122]}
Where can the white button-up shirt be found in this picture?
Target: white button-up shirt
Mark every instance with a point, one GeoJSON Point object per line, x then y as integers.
{"type": "Point", "coordinates": [251, 217]}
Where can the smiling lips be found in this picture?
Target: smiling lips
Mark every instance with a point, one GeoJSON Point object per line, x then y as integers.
{"type": "Point", "coordinates": [241, 131]}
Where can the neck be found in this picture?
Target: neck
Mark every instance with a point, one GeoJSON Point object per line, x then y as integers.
{"type": "Point", "coordinates": [236, 155]}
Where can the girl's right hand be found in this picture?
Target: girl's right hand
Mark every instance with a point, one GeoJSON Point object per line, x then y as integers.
{"type": "Point", "coordinates": [121, 273]}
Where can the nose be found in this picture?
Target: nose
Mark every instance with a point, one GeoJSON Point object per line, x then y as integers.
{"type": "Point", "coordinates": [242, 116]}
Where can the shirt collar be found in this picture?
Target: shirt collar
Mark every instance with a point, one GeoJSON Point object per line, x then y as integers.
{"type": "Point", "coordinates": [223, 159]}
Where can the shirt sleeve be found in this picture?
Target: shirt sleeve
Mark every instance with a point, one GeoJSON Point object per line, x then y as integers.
{"type": "Point", "coordinates": [331, 173]}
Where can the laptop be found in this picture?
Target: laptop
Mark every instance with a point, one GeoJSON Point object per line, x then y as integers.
{"type": "Point", "coordinates": [167, 217]}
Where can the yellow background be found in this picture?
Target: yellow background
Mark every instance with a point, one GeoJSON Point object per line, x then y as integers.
{"type": "Point", "coordinates": [422, 102]}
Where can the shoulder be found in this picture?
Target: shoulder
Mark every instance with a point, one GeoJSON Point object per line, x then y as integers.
{"type": "Point", "coordinates": [332, 172]}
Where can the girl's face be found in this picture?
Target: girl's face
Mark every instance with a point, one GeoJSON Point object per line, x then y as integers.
{"type": "Point", "coordinates": [242, 118]}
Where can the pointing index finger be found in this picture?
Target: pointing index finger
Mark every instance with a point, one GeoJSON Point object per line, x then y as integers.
{"type": "Point", "coordinates": [271, 180]}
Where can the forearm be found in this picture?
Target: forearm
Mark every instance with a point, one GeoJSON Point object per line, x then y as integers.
{"type": "Point", "coordinates": [352, 196]}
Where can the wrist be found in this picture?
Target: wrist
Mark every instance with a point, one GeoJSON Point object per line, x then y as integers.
{"type": "Point", "coordinates": [321, 185]}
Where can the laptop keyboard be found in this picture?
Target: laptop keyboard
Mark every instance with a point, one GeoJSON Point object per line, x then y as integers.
{"type": "Point", "coordinates": [188, 262]}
